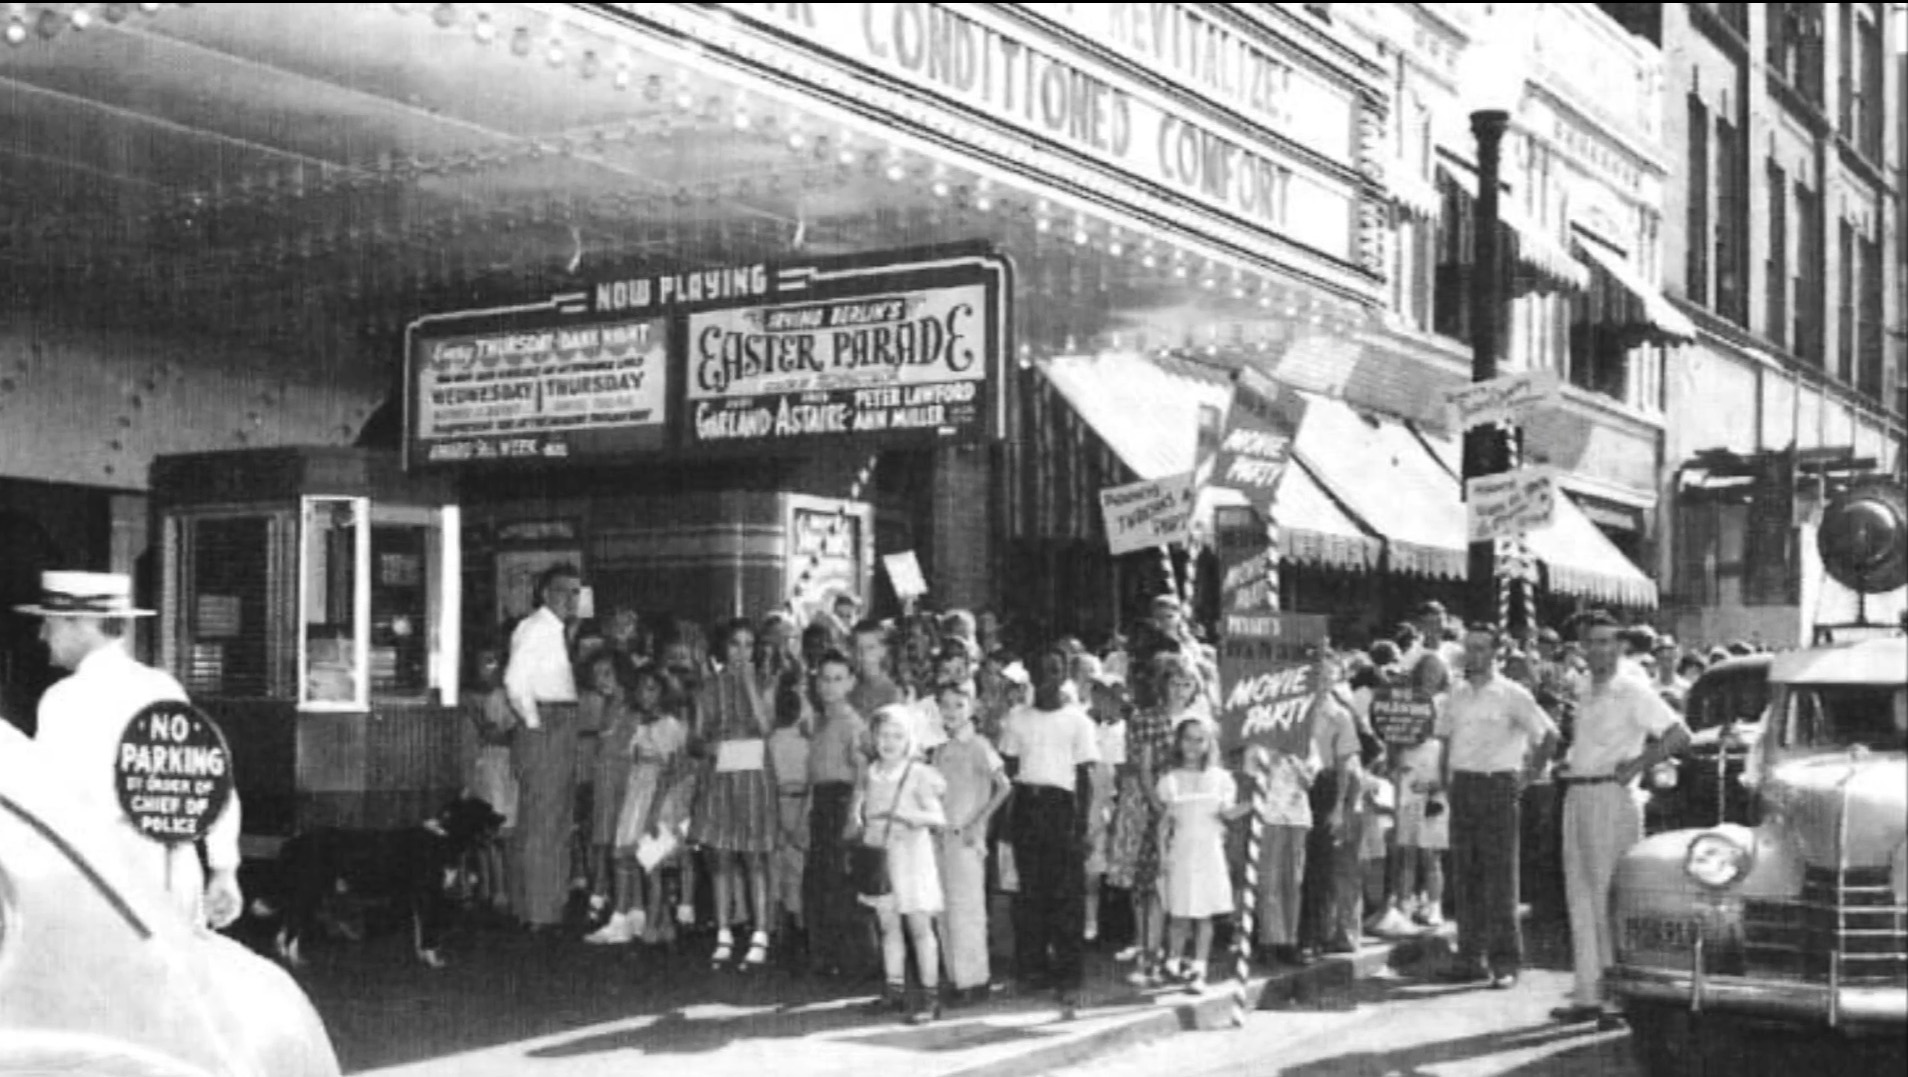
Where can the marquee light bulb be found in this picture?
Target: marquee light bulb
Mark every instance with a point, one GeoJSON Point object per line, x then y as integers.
{"type": "Point", "coordinates": [485, 31]}
{"type": "Point", "coordinates": [897, 172]}
{"type": "Point", "coordinates": [81, 18]}
{"type": "Point", "coordinates": [16, 32]}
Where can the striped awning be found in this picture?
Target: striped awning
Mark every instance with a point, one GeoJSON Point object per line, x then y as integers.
{"type": "Point", "coordinates": [1653, 310]}
{"type": "Point", "coordinates": [1537, 251]}
{"type": "Point", "coordinates": [1388, 479]}
{"type": "Point", "coordinates": [1313, 529]}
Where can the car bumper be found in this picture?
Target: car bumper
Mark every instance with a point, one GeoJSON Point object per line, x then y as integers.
{"type": "Point", "coordinates": [1854, 1008]}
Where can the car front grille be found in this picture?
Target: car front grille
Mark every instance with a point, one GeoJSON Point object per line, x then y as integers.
{"type": "Point", "coordinates": [1856, 916]}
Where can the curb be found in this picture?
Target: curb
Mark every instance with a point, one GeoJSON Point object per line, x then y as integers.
{"type": "Point", "coordinates": [1214, 1011]}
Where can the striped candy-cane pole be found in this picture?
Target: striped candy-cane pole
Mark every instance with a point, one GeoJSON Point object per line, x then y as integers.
{"type": "Point", "coordinates": [1258, 761]}
{"type": "Point", "coordinates": [1259, 766]}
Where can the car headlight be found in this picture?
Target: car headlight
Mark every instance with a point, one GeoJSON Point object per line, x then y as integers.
{"type": "Point", "coordinates": [1716, 860]}
{"type": "Point", "coordinates": [1898, 873]}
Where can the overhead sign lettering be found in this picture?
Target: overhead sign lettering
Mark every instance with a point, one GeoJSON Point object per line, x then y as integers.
{"type": "Point", "coordinates": [1006, 72]}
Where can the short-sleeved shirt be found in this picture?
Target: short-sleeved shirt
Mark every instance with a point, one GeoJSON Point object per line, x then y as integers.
{"type": "Point", "coordinates": [1113, 743]}
{"type": "Point", "coordinates": [1613, 722]}
{"type": "Point", "coordinates": [916, 790]}
{"type": "Point", "coordinates": [969, 766]}
{"type": "Point", "coordinates": [1334, 729]}
{"type": "Point", "coordinates": [838, 749]}
{"type": "Point", "coordinates": [1492, 727]}
{"type": "Point", "coordinates": [1050, 744]}
{"type": "Point", "coordinates": [788, 753]}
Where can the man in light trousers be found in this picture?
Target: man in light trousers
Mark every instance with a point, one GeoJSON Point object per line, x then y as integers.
{"type": "Point", "coordinates": [1617, 716]}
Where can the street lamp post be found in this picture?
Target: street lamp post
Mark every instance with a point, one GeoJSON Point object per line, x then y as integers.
{"type": "Point", "coordinates": [1493, 83]}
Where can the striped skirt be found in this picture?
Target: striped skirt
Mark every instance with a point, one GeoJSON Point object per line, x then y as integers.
{"type": "Point", "coordinates": [739, 812]}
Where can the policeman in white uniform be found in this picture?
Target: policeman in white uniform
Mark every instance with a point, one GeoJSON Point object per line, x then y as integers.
{"type": "Point", "coordinates": [84, 617]}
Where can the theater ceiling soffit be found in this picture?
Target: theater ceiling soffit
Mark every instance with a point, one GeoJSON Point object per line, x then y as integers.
{"type": "Point", "coordinates": [274, 171]}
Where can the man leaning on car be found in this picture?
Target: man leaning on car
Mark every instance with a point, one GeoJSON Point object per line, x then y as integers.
{"type": "Point", "coordinates": [1617, 715]}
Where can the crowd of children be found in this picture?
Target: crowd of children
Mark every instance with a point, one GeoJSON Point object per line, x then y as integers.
{"type": "Point", "coordinates": [774, 763]}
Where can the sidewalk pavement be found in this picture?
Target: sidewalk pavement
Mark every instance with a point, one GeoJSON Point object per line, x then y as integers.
{"type": "Point", "coordinates": [773, 1026]}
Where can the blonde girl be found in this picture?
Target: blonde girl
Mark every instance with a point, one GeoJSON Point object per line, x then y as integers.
{"type": "Point", "coordinates": [1199, 799]}
{"type": "Point", "coordinates": [899, 806]}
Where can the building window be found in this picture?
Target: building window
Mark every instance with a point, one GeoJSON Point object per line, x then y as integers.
{"type": "Point", "coordinates": [1696, 271]}
{"type": "Point", "coordinates": [1872, 119]}
{"type": "Point", "coordinates": [1811, 257]}
{"type": "Point", "coordinates": [1795, 47]}
{"type": "Point", "coordinates": [1846, 286]}
{"type": "Point", "coordinates": [1777, 266]}
{"type": "Point", "coordinates": [1732, 231]}
{"type": "Point", "coordinates": [225, 619]}
{"type": "Point", "coordinates": [1870, 377]}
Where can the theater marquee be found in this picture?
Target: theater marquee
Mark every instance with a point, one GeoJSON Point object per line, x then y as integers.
{"type": "Point", "coordinates": [904, 348]}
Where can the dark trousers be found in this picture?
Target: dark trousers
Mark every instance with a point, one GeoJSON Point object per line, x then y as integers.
{"type": "Point", "coordinates": [1484, 852]}
{"type": "Point", "coordinates": [1050, 855]}
{"type": "Point", "coordinates": [1332, 896]}
{"type": "Point", "coordinates": [838, 933]}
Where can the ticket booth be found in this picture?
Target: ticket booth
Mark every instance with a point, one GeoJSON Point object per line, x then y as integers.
{"type": "Point", "coordinates": [310, 604]}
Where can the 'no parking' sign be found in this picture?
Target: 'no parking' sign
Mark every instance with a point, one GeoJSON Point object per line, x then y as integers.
{"type": "Point", "coordinates": [173, 771]}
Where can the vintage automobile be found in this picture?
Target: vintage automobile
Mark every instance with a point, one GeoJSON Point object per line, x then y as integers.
{"type": "Point", "coordinates": [1703, 786]}
{"type": "Point", "coordinates": [1801, 921]}
{"type": "Point", "coordinates": [101, 975]}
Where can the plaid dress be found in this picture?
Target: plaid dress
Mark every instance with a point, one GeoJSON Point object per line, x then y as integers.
{"type": "Point", "coordinates": [1132, 861]}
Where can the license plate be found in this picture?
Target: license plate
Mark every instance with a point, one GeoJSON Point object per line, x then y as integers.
{"type": "Point", "coordinates": [1659, 933]}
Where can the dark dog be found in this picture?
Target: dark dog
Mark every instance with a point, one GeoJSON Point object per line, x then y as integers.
{"type": "Point", "coordinates": [414, 871]}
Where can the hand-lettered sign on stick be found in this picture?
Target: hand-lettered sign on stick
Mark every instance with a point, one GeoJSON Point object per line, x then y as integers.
{"type": "Point", "coordinates": [1257, 444]}
{"type": "Point", "coordinates": [1510, 504]}
{"type": "Point", "coordinates": [1143, 515]}
{"type": "Point", "coordinates": [904, 573]}
{"type": "Point", "coordinates": [1510, 399]}
{"type": "Point", "coordinates": [1403, 718]}
{"type": "Point", "coordinates": [1267, 684]}
{"type": "Point", "coordinates": [173, 772]}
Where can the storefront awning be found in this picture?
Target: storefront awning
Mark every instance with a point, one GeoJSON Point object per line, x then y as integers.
{"type": "Point", "coordinates": [1580, 560]}
{"type": "Point", "coordinates": [1149, 418]}
{"type": "Point", "coordinates": [1389, 480]}
{"type": "Point", "coordinates": [1313, 530]}
{"type": "Point", "coordinates": [1415, 194]}
{"type": "Point", "coordinates": [1535, 250]}
{"type": "Point", "coordinates": [1146, 416]}
{"type": "Point", "coordinates": [1661, 316]}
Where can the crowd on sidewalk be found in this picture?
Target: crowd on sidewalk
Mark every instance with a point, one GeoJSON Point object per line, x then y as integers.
{"type": "Point", "coordinates": [920, 800]}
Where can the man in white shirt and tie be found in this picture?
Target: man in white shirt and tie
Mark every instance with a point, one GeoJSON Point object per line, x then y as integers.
{"type": "Point", "coordinates": [541, 684]}
{"type": "Point", "coordinates": [84, 618]}
{"type": "Point", "coordinates": [1617, 715]}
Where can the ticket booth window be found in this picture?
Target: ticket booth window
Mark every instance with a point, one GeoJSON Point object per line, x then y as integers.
{"type": "Point", "coordinates": [226, 622]}
{"type": "Point", "coordinates": [335, 596]}
{"type": "Point", "coordinates": [373, 605]}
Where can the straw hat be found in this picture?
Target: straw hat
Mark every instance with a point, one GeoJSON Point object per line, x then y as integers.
{"type": "Point", "coordinates": [84, 594]}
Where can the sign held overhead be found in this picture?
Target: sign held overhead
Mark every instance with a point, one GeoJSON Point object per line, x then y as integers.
{"type": "Point", "coordinates": [1142, 515]}
{"type": "Point", "coordinates": [1510, 399]}
{"type": "Point", "coordinates": [1511, 504]}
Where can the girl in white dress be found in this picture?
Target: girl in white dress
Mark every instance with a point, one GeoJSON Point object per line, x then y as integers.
{"type": "Point", "coordinates": [1199, 799]}
{"type": "Point", "coordinates": [899, 806]}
